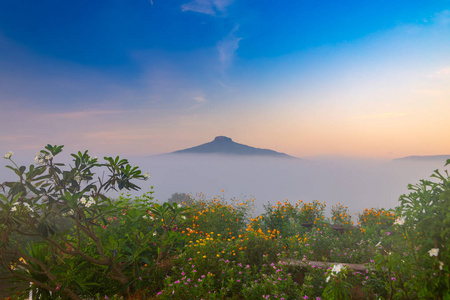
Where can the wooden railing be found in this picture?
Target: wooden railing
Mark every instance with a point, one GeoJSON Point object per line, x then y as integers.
{"type": "Point", "coordinates": [324, 265]}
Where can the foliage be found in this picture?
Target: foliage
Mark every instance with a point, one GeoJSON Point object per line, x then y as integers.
{"type": "Point", "coordinates": [61, 232]}
{"type": "Point", "coordinates": [218, 216]}
{"type": "Point", "coordinates": [289, 219]}
{"type": "Point", "coordinates": [231, 280]}
{"type": "Point", "coordinates": [338, 287]}
{"type": "Point", "coordinates": [179, 198]}
{"type": "Point", "coordinates": [412, 262]}
{"type": "Point", "coordinates": [375, 221]}
{"type": "Point", "coordinates": [341, 215]}
{"type": "Point", "coordinates": [83, 242]}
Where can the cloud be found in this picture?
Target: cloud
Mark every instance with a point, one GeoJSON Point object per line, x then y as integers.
{"type": "Point", "coordinates": [386, 115]}
{"type": "Point", "coordinates": [441, 73]}
{"type": "Point", "coordinates": [209, 7]}
{"type": "Point", "coordinates": [200, 99]}
{"type": "Point", "coordinates": [221, 5]}
{"type": "Point", "coordinates": [118, 136]}
{"type": "Point", "coordinates": [84, 114]}
{"type": "Point", "coordinates": [431, 92]}
{"type": "Point", "coordinates": [442, 18]}
{"type": "Point", "coordinates": [13, 138]}
{"type": "Point", "coordinates": [227, 47]}
{"type": "Point", "coordinates": [357, 183]}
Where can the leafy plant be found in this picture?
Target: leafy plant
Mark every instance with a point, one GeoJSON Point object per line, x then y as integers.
{"type": "Point", "coordinates": [338, 287]}
{"type": "Point", "coordinates": [66, 212]}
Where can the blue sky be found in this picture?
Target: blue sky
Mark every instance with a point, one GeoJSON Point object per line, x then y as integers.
{"type": "Point", "coordinates": [348, 78]}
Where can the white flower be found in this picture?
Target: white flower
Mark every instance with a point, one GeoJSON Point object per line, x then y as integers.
{"type": "Point", "coordinates": [14, 208]}
{"type": "Point", "coordinates": [399, 221]}
{"type": "Point", "coordinates": [8, 155]}
{"type": "Point", "coordinates": [83, 200]}
{"type": "Point", "coordinates": [145, 217]}
{"type": "Point", "coordinates": [154, 233]}
{"type": "Point", "coordinates": [146, 175]}
{"type": "Point", "coordinates": [183, 217]}
{"type": "Point", "coordinates": [337, 268]}
{"type": "Point", "coordinates": [69, 213]}
{"type": "Point", "coordinates": [28, 207]}
{"type": "Point", "coordinates": [89, 203]}
{"type": "Point", "coordinates": [434, 252]}
{"type": "Point", "coordinates": [38, 160]}
{"type": "Point", "coordinates": [77, 178]}
{"type": "Point", "coordinates": [379, 244]}
{"type": "Point", "coordinates": [441, 265]}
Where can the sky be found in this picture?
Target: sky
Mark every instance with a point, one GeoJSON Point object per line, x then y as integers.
{"type": "Point", "coordinates": [366, 79]}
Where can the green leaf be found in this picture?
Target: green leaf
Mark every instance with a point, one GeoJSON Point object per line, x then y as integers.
{"type": "Point", "coordinates": [109, 268]}
{"type": "Point", "coordinates": [22, 169]}
{"type": "Point", "coordinates": [32, 188]}
{"type": "Point", "coordinates": [42, 229]}
{"type": "Point", "coordinates": [113, 242]}
{"type": "Point", "coordinates": [127, 285]}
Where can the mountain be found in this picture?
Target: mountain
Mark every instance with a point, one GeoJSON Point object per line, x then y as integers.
{"type": "Point", "coordinates": [424, 158]}
{"type": "Point", "coordinates": [225, 145]}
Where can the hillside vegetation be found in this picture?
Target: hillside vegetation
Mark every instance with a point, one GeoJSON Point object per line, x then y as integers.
{"type": "Point", "coordinates": [61, 237]}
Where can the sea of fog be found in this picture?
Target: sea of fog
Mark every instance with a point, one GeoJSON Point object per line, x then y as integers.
{"type": "Point", "coordinates": [355, 183]}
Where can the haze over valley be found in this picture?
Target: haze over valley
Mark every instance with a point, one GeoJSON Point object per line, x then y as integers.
{"type": "Point", "coordinates": [217, 168]}
{"type": "Point", "coordinates": [356, 183]}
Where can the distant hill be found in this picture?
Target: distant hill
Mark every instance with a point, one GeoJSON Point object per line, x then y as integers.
{"type": "Point", "coordinates": [225, 145]}
{"type": "Point", "coordinates": [424, 158]}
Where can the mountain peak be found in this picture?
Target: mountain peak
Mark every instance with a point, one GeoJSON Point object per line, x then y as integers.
{"type": "Point", "coordinates": [222, 138]}
{"type": "Point", "coordinates": [226, 146]}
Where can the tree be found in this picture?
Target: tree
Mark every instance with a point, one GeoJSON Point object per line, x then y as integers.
{"type": "Point", "coordinates": [51, 223]}
{"type": "Point", "coordinates": [179, 198]}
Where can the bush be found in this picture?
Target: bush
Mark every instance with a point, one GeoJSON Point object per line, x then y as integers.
{"type": "Point", "coordinates": [414, 262]}
{"type": "Point", "coordinates": [83, 242]}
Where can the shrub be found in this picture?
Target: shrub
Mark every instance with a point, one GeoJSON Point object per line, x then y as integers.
{"type": "Point", "coordinates": [414, 262]}
{"type": "Point", "coordinates": [84, 242]}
